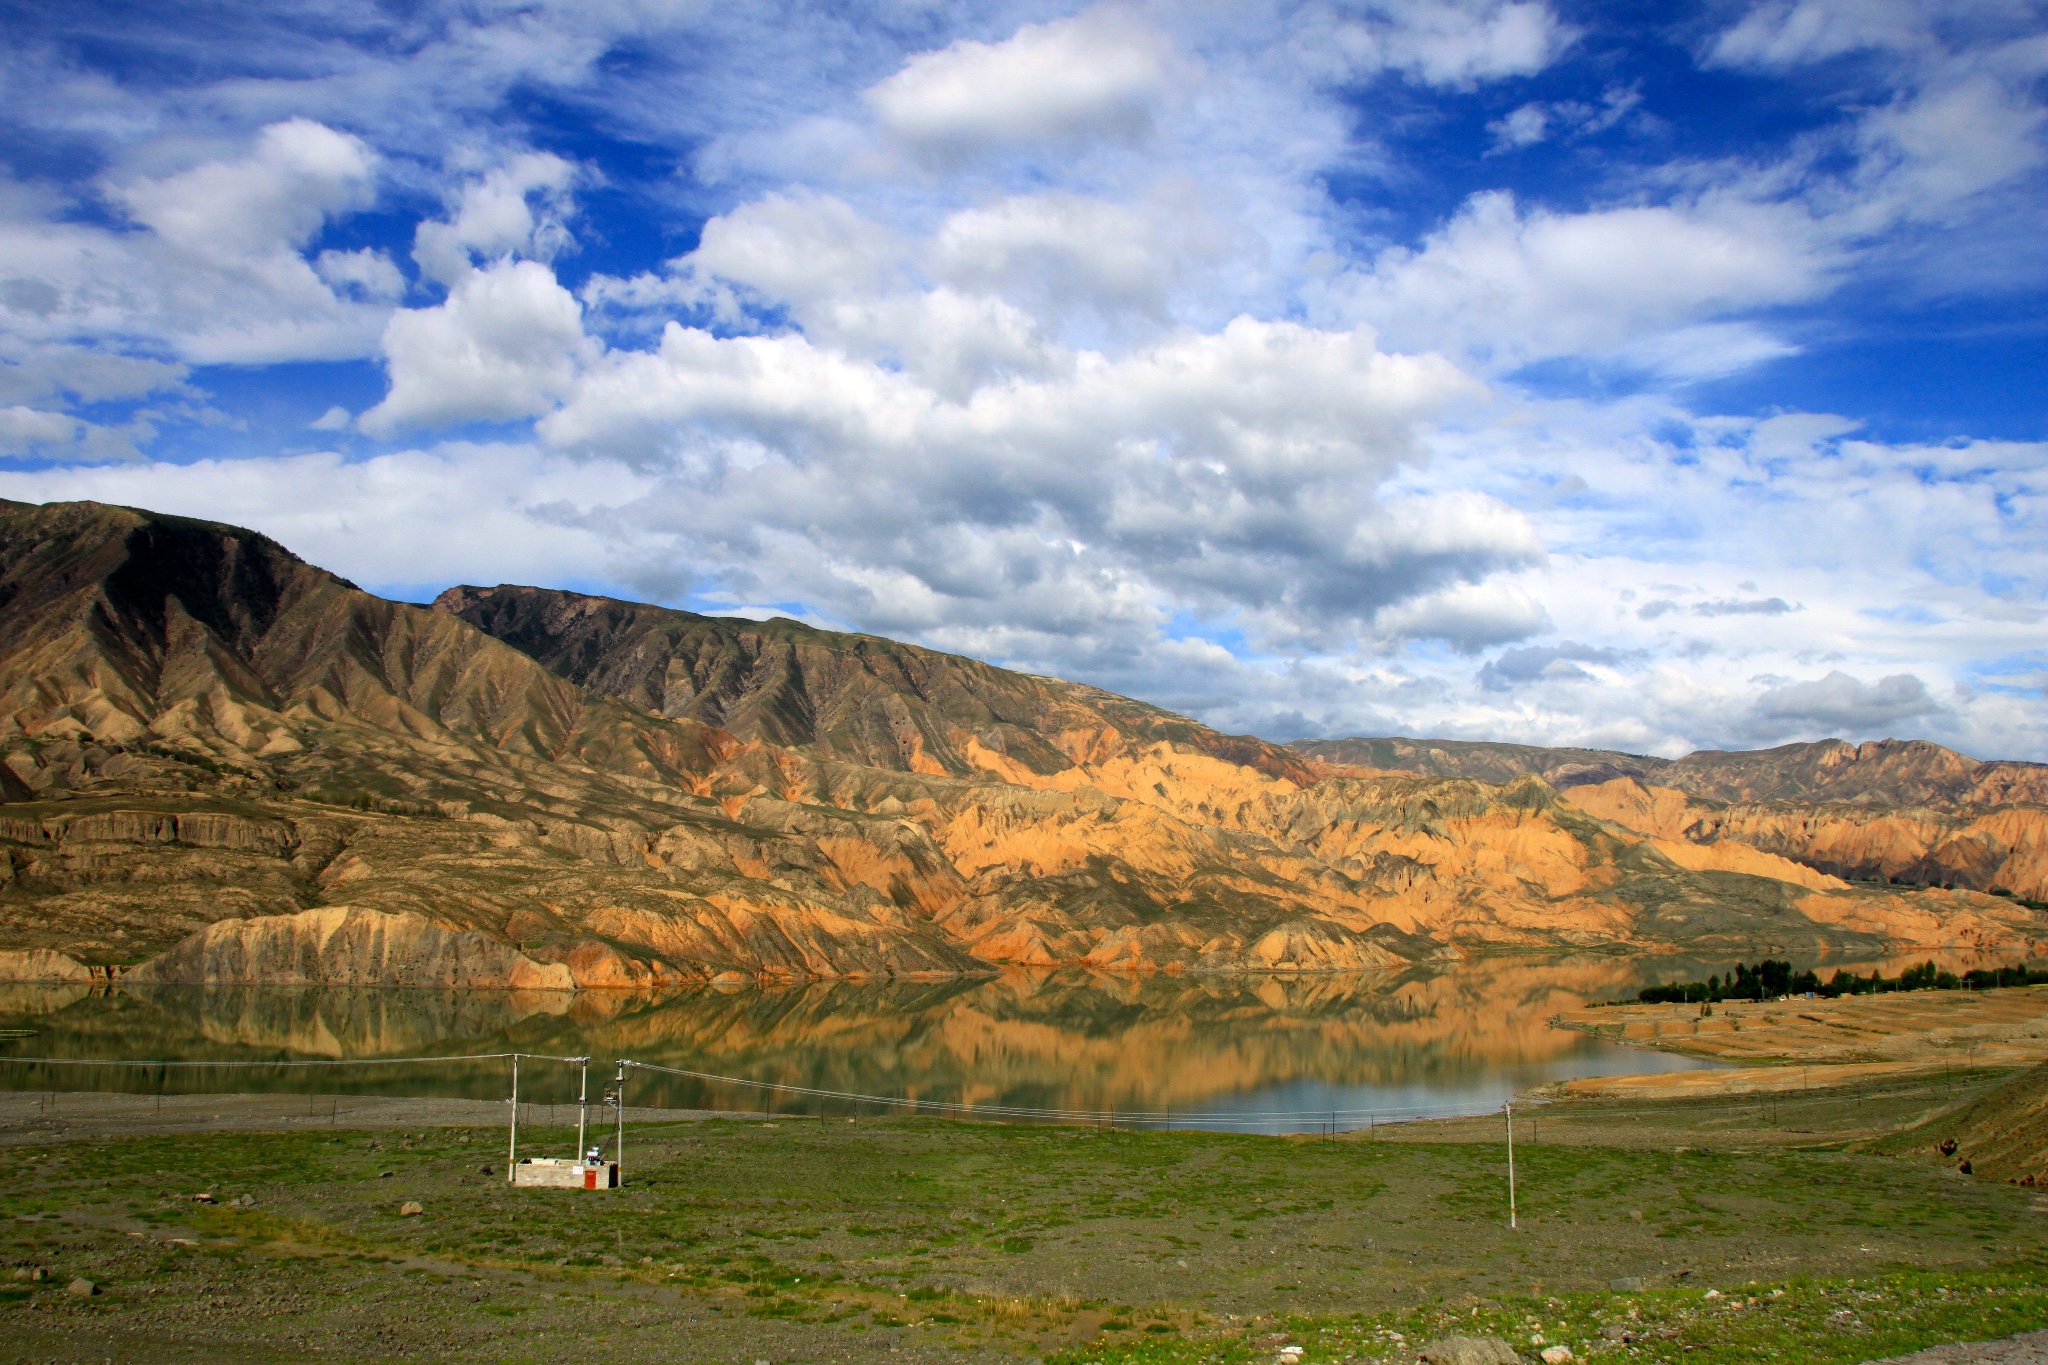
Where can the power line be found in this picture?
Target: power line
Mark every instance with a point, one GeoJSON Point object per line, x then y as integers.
{"type": "Point", "coordinates": [1223, 1117]}
{"type": "Point", "coordinates": [1072, 1115]}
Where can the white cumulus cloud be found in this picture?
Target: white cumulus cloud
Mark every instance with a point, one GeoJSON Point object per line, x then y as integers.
{"type": "Point", "coordinates": [521, 207]}
{"type": "Point", "coordinates": [212, 270]}
{"type": "Point", "coordinates": [1093, 74]}
{"type": "Point", "coordinates": [506, 343]}
{"type": "Point", "coordinates": [1507, 286]}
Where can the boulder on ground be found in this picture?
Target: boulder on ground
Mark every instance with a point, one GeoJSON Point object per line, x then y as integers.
{"type": "Point", "coordinates": [411, 1208]}
{"type": "Point", "coordinates": [1471, 1351]}
{"type": "Point", "coordinates": [85, 1289]}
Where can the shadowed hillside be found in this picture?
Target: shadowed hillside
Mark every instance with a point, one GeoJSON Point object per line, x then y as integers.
{"type": "Point", "coordinates": [856, 698]}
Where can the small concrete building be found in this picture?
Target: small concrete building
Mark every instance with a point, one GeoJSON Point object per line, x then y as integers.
{"type": "Point", "coordinates": [565, 1173]}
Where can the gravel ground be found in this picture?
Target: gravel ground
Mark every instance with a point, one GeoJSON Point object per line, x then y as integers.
{"type": "Point", "coordinates": [2028, 1348]}
{"type": "Point", "coordinates": [741, 1217]}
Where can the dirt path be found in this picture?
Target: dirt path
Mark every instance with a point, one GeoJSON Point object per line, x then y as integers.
{"type": "Point", "coordinates": [2029, 1348]}
{"type": "Point", "coordinates": [44, 1116]}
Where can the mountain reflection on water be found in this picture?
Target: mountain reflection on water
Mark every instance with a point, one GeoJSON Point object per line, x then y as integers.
{"type": "Point", "coordinates": [1455, 1037]}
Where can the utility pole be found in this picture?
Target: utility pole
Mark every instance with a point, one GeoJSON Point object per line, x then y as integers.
{"type": "Point", "coordinates": [620, 1085]}
{"type": "Point", "coordinates": [582, 1106]}
{"type": "Point", "coordinates": [512, 1141]}
{"type": "Point", "coordinates": [1508, 1109]}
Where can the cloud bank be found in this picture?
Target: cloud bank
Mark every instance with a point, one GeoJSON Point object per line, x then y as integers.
{"type": "Point", "coordinates": [1423, 366]}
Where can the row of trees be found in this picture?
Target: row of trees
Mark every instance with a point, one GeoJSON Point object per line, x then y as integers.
{"type": "Point", "coordinates": [1769, 979]}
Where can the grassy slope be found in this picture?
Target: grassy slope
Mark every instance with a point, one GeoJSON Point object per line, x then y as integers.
{"type": "Point", "coordinates": [2003, 1134]}
{"type": "Point", "coordinates": [926, 1240]}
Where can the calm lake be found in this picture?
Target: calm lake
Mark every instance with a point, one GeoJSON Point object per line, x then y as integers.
{"type": "Point", "coordinates": [1272, 1054]}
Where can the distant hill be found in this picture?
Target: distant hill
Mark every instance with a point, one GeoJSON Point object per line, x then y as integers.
{"type": "Point", "coordinates": [1480, 760]}
{"type": "Point", "coordinates": [1896, 811]}
{"type": "Point", "coordinates": [221, 763]}
{"type": "Point", "coordinates": [1890, 772]}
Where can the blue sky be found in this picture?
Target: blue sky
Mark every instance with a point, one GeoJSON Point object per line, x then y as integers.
{"type": "Point", "coordinates": [1638, 375]}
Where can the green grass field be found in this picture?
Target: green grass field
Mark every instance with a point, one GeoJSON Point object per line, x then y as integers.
{"type": "Point", "coordinates": [906, 1240]}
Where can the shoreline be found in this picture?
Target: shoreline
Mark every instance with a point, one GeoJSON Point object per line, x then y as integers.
{"type": "Point", "coordinates": [1778, 1046]}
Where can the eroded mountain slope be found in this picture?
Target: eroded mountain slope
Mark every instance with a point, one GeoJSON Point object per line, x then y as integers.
{"type": "Point", "coordinates": [233, 765]}
{"type": "Point", "coordinates": [2003, 849]}
{"type": "Point", "coordinates": [1133, 836]}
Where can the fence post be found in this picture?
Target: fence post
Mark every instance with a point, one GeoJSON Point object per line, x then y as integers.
{"type": "Point", "coordinates": [1508, 1109]}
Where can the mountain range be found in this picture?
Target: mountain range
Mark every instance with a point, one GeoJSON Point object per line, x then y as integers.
{"type": "Point", "coordinates": [220, 763]}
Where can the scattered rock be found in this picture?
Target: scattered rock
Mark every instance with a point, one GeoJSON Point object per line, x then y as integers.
{"type": "Point", "coordinates": [1557, 1355]}
{"type": "Point", "coordinates": [202, 1198]}
{"type": "Point", "coordinates": [386, 1175]}
{"type": "Point", "coordinates": [247, 1201]}
{"type": "Point", "coordinates": [1627, 1284]}
{"type": "Point", "coordinates": [1712, 1294]}
{"type": "Point", "coordinates": [1471, 1351]}
{"type": "Point", "coordinates": [33, 1274]}
{"type": "Point", "coordinates": [1614, 1331]}
{"type": "Point", "coordinates": [410, 1209]}
{"type": "Point", "coordinates": [84, 1289]}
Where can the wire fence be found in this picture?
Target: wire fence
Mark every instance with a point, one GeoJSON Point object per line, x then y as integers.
{"type": "Point", "coordinates": [288, 1061]}
{"type": "Point", "coordinates": [1324, 1119]}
